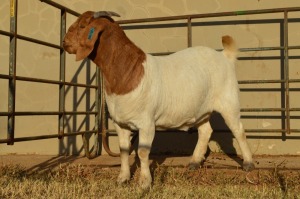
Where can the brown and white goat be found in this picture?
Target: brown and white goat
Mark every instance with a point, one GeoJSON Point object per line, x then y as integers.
{"type": "Point", "coordinates": [146, 93]}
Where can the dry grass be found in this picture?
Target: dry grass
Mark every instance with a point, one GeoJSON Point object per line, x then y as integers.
{"type": "Point", "coordinates": [77, 181]}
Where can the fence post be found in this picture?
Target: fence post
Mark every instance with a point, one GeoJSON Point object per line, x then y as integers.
{"type": "Point", "coordinates": [98, 105]}
{"type": "Point", "coordinates": [12, 72]}
{"type": "Point", "coordinates": [61, 116]}
{"type": "Point", "coordinates": [286, 72]}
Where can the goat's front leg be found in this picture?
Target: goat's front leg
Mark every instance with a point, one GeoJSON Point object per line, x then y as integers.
{"type": "Point", "coordinates": [124, 143]}
{"type": "Point", "coordinates": [146, 136]}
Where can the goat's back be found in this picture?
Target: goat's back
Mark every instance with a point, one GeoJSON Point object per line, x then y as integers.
{"type": "Point", "coordinates": [188, 83]}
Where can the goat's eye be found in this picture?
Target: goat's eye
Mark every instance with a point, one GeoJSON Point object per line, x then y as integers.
{"type": "Point", "coordinates": [81, 26]}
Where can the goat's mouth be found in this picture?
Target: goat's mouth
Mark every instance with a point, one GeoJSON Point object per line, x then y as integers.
{"type": "Point", "coordinates": [69, 48]}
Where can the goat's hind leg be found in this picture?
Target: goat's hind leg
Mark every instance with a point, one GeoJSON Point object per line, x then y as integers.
{"type": "Point", "coordinates": [204, 134]}
{"type": "Point", "coordinates": [232, 119]}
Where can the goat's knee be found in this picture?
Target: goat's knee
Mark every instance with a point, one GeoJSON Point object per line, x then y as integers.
{"type": "Point", "coordinates": [143, 153]}
{"type": "Point", "coordinates": [145, 176]}
{"type": "Point", "coordinates": [146, 136]}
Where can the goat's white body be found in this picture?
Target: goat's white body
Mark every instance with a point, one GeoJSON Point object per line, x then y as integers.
{"type": "Point", "coordinates": [177, 91]}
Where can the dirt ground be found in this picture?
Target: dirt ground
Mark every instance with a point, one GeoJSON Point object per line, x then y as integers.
{"type": "Point", "coordinates": [42, 162]}
{"type": "Point", "coordinates": [77, 177]}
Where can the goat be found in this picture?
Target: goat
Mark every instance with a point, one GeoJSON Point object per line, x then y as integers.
{"type": "Point", "coordinates": [145, 92]}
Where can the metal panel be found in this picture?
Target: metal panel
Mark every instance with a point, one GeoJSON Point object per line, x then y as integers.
{"type": "Point", "coordinates": [100, 111]}
{"type": "Point", "coordinates": [13, 78]}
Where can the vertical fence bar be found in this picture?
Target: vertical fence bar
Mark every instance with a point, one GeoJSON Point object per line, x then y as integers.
{"type": "Point", "coordinates": [282, 84]}
{"type": "Point", "coordinates": [104, 120]}
{"type": "Point", "coordinates": [286, 72]}
{"type": "Point", "coordinates": [12, 72]}
{"type": "Point", "coordinates": [62, 76]}
{"type": "Point", "coordinates": [98, 105]}
{"type": "Point", "coordinates": [189, 32]}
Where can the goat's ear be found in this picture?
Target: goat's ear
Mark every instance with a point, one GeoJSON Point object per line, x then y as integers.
{"type": "Point", "coordinates": [88, 39]}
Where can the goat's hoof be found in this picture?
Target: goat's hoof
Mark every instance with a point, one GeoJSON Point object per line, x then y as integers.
{"type": "Point", "coordinates": [248, 166]}
{"type": "Point", "coordinates": [123, 179]}
{"type": "Point", "coordinates": [194, 165]}
{"type": "Point", "coordinates": [145, 183]}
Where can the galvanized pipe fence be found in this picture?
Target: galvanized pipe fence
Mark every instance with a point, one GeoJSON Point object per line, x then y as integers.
{"type": "Point", "coordinates": [61, 83]}
{"type": "Point", "coordinates": [101, 117]}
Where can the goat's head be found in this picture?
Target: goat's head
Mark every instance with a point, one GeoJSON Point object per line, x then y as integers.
{"type": "Point", "coordinates": [83, 33]}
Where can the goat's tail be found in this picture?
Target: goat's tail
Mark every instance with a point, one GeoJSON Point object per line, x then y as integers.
{"type": "Point", "coordinates": [230, 48]}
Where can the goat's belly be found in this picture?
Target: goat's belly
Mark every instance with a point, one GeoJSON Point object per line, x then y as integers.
{"type": "Point", "coordinates": [183, 127]}
{"type": "Point", "coordinates": [180, 123]}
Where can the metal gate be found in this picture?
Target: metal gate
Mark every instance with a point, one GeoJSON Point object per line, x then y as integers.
{"type": "Point", "coordinates": [12, 78]}
{"type": "Point", "coordinates": [101, 118]}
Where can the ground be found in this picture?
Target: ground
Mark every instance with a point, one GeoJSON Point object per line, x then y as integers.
{"type": "Point", "coordinates": [215, 160]}
{"type": "Point", "coordinates": [40, 176]}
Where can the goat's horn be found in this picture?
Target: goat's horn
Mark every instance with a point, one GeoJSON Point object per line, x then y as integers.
{"type": "Point", "coordinates": [105, 13]}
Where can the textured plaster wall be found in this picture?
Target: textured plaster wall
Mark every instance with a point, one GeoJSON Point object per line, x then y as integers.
{"type": "Point", "coordinates": [40, 21]}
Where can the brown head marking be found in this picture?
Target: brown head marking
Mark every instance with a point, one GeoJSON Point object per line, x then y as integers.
{"type": "Point", "coordinates": [105, 43]}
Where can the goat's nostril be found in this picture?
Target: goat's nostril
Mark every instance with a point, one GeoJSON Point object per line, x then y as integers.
{"type": "Point", "coordinates": [64, 43]}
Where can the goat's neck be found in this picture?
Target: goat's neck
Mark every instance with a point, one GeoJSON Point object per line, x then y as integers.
{"type": "Point", "coordinates": [120, 61]}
